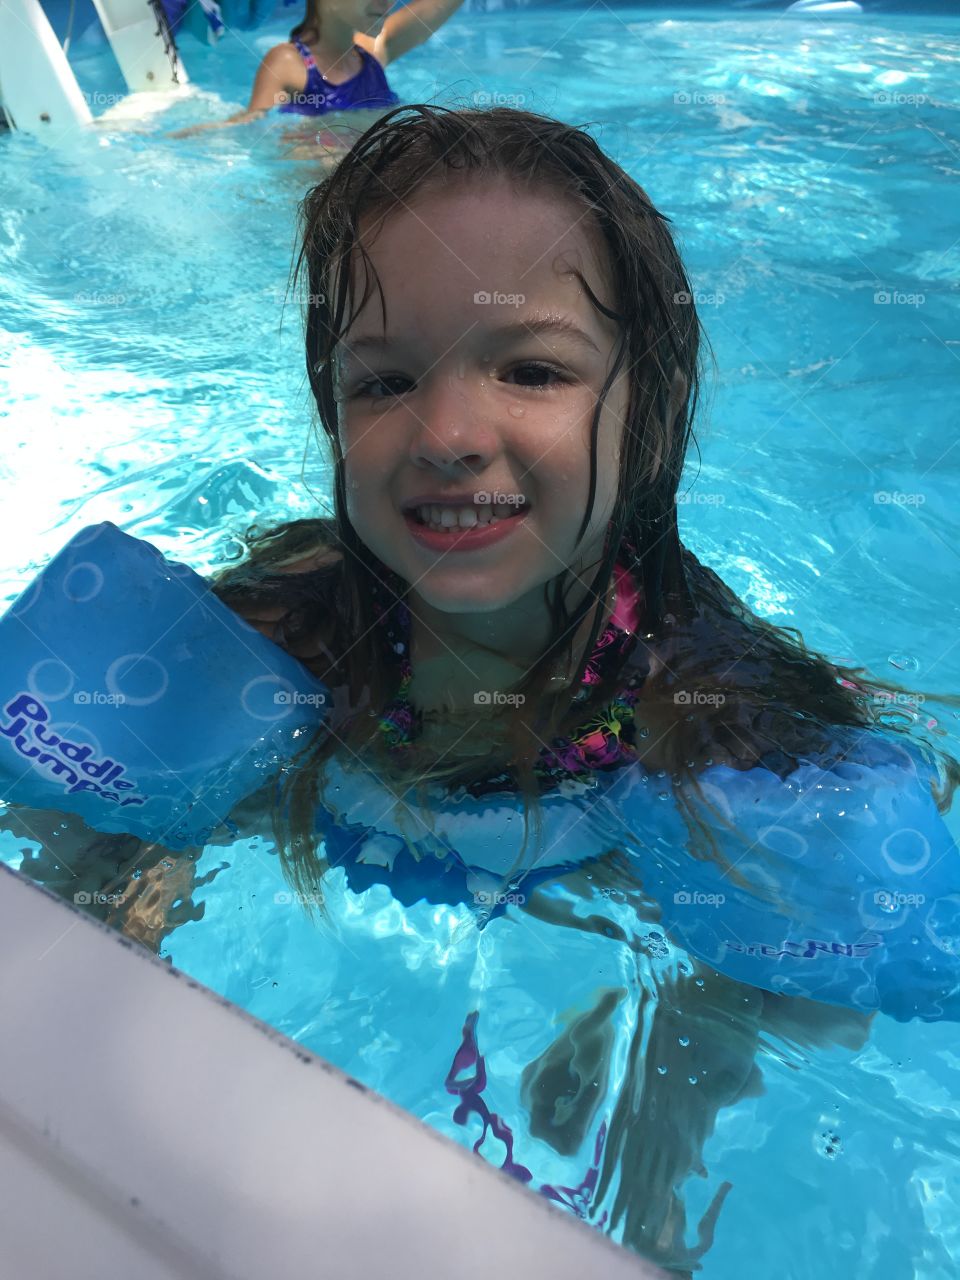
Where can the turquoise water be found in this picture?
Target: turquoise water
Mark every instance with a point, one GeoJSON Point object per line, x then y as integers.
{"type": "Point", "coordinates": [810, 170]}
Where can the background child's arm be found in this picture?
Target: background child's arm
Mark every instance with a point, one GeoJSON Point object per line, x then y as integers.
{"type": "Point", "coordinates": [272, 86]}
{"type": "Point", "coordinates": [408, 27]}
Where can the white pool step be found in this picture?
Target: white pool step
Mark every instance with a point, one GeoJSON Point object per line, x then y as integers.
{"type": "Point", "coordinates": [39, 93]}
{"type": "Point", "coordinates": [151, 1130]}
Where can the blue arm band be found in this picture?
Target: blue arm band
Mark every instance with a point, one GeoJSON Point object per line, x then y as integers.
{"type": "Point", "coordinates": [131, 696]}
{"type": "Point", "coordinates": [845, 887]}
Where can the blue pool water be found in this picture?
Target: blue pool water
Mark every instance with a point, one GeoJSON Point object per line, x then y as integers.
{"type": "Point", "coordinates": [810, 168]}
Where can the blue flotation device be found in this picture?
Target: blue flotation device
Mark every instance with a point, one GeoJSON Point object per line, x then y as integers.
{"type": "Point", "coordinates": [839, 882]}
{"type": "Point", "coordinates": [132, 696]}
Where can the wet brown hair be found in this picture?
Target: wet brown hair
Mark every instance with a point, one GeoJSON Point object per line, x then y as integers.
{"type": "Point", "coordinates": [764, 696]}
{"type": "Point", "coordinates": [309, 29]}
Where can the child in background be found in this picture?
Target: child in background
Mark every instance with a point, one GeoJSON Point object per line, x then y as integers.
{"type": "Point", "coordinates": [335, 59]}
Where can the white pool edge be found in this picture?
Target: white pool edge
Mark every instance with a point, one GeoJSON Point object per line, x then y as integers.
{"type": "Point", "coordinates": [150, 1128]}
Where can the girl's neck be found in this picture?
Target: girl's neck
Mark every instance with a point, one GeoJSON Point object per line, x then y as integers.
{"type": "Point", "coordinates": [452, 664]}
{"type": "Point", "coordinates": [330, 41]}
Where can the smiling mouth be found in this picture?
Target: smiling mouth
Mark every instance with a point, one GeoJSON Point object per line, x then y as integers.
{"type": "Point", "coordinates": [452, 519]}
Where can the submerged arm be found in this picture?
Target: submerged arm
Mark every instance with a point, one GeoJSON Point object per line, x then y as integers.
{"type": "Point", "coordinates": [270, 88]}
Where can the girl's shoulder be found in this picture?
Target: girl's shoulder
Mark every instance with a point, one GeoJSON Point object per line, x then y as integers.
{"type": "Point", "coordinates": [283, 55]}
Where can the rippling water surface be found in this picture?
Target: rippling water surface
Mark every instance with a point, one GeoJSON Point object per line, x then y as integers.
{"type": "Point", "coordinates": [810, 169]}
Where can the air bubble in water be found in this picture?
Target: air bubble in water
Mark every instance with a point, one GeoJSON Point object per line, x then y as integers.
{"type": "Point", "coordinates": [683, 1041]}
{"type": "Point", "coordinates": [903, 662]}
{"type": "Point", "coordinates": [828, 1144]}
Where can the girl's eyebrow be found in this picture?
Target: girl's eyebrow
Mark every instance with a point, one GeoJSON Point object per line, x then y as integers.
{"type": "Point", "coordinates": [559, 325]}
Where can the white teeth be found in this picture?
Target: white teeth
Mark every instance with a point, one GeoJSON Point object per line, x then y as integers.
{"type": "Point", "coordinates": [446, 518]}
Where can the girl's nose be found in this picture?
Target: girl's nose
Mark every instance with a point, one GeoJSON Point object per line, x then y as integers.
{"type": "Point", "coordinates": [451, 427]}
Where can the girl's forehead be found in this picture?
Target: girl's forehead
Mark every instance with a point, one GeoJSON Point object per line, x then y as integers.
{"type": "Point", "coordinates": [492, 214]}
{"type": "Point", "coordinates": [459, 242]}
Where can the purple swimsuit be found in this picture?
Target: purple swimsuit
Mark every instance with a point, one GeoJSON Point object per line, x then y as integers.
{"type": "Point", "coordinates": [368, 88]}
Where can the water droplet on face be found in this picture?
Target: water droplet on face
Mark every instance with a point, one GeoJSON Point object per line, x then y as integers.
{"type": "Point", "coordinates": [516, 410]}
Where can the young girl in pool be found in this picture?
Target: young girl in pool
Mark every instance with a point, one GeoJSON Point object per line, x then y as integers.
{"type": "Point", "coordinates": [335, 59]}
{"type": "Point", "coordinates": [504, 359]}
{"type": "Point", "coordinates": [505, 363]}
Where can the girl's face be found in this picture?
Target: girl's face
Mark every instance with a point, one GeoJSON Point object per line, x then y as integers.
{"type": "Point", "coordinates": [486, 384]}
{"type": "Point", "coordinates": [361, 15]}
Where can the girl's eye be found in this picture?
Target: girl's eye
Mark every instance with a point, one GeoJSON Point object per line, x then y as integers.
{"type": "Point", "coordinates": [542, 371]}
{"type": "Point", "coordinates": [370, 388]}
